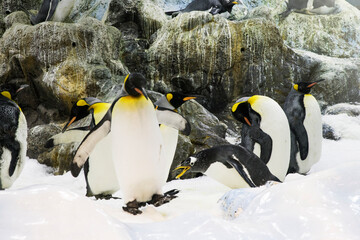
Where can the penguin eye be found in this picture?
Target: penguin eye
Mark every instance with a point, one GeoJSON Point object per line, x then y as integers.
{"type": "Point", "coordinates": [191, 163]}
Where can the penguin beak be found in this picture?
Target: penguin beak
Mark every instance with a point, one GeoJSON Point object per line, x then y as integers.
{"type": "Point", "coordinates": [21, 88]}
{"type": "Point", "coordinates": [314, 83]}
{"type": "Point", "coordinates": [185, 169]}
{"type": "Point", "coordinates": [142, 91]}
{"type": "Point", "coordinates": [188, 98]}
{"type": "Point", "coordinates": [247, 121]}
{"type": "Point", "coordinates": [69, 123]}
{"type": "Point", "coordinates": [235, 2]}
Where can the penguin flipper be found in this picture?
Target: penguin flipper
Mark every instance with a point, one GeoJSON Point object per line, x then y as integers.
{"type": "Point", "coordinates": [173, 119]}
{"type": "Point", "coordinates": [53, 5]}
{"type": "Point", "coordinates": [14, 148]}
{"type": "Point", "coordinates": [240, 169]}
{"type": "Point", "coordinates": [302, 139]}
{"type": "Point", "coordinates": [264, 140]}
{"type": "Point", "coordinates": [88, 144]}
{"type": "Point", "coordinates": [70, 136]}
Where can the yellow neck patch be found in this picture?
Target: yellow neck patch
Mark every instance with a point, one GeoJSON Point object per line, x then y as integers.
{"type": "Point", "coordinates": [82, 103]}
{"type": "Point", "coordinates": [126, 78]}
{"type": "Point", "coordinates": [169, 96]}
{"type": "Point", "coordinates": [235, 106]}
{"type": "Point", "coordinates": [253, 99]}
{"type": "Point", "coordinates": [6, 94]}
{"type": "Point", "coordinates": [296, 87]}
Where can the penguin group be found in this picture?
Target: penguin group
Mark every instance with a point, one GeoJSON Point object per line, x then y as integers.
{"type": "Point", "coordinates": [275, 141]}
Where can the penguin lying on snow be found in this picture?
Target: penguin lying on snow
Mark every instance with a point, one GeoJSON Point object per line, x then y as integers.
{"type": "Point", "coordinates": [13, 134]}
{"type": "Point", "coordinates": [265, 131]}
{"type": "Point", "coordinates": [304, 115]}
{"type": "Point", "coordinates": [310, 7]}
{"type": "Point", "coordinates": [51, 10]}
{"type": "Point", "coordinates": [214, 6]}
{"type": "Point", "coordinates": [132, 130]}
{"type": "Point", "coordinates": [233, 166]}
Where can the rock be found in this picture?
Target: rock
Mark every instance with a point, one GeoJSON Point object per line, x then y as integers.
{"type": "Point", "coordinates": [211, 56]}
{"type": "Point", "coordinates": [329, 133]}
{"type": "Point", "coordinates": [352, 110]}
{"type": "Point", "coordinates": [16, 17]}
{"type": "Point", "coordinates": [355, 3]}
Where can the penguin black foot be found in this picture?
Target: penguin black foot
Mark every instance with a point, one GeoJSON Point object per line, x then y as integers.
{"type": "Point", "coordinates": [133, 207]}
{"type": "Point", "coordinates": [105, 197]}
{"type": "Point", "coordinates": [158, 200]}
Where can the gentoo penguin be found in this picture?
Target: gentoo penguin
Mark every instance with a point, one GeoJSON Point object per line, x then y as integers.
{"type": "Point", "coordinates": [231, 165]}
{"type": "Point", "coordinates": [51, 10]}
{"type": "Point", "coordinates": [214, 6]}
{"type": "Point", "coordinates": [132, 129]}
{"type": "Point", "coordinates": [304, 115]}
{"type": "Point", "coordinates": [310, 7]}
{"type": "Point", "coordinates": [13, 136]}
{"type": "Point", "coordinates": [170, 102]}
{"type": "Point", "coordinates": [265, 131]}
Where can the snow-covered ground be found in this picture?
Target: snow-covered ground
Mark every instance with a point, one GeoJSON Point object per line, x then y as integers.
{"type": "Point", "coordinates": [325, 204]}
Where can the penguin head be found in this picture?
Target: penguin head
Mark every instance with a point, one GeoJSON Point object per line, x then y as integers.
{"type": "Point", "coordinates": [10, 90]}
{"type": "Point", "coordinates": [196, 163]}
{"type": "Point", "coordinates": [229, 4]}
{"type": "Point", "coordinates": [241, 111]}
{"type": "Point", "coordinates": [176, 99]}
{"type": "Point", "coordinates": [134, 85]}
{"type": "Point", "coordinates": [305, 87]}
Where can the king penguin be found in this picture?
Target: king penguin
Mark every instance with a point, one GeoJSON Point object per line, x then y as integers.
{"type": "Point", "coordinates": [231, 165]}
{"type": "Point", "coordinates": [170, 102]}
{"type": "Point", "coordinates": [265, 131]}
{"type": "Point", "coordinates": [304, 115]}
{"type": "Point", "coordinates": [213, 6]}
{"type": "Point", "coordinates": [100, 176]}
{"type": "Point", "coordinates": [132, 129]}
{"type": "Point", "coordinates": [13, 137]}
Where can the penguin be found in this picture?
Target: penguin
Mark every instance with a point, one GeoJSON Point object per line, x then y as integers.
{"type": "Point", "coordinates": [81, 109]}
{"type": "Point", "coordinates": [304, 115]}
{"type": "Point", "coordinates": [231, 165]}
{"type": "Point", "coordinates": [170, 102]}
{"type": "Point", "coordinates": [132, 129]}
{"type": "Point", "coordinates": [265, 131]}
{"type": "Point", "coordinates": [13, 136]}
{"type": "Point", "coordinates": [214, 6]}
{"type": "Point", "coordinates": [310, 7]}
{"type": "Point", "coordinates": [51, 10]}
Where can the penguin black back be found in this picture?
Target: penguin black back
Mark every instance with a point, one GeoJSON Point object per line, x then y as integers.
{"type": "Point", "coordinates": [215, 6]}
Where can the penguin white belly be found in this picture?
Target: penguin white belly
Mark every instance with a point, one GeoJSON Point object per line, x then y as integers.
{"type": "Point", "coordinates": [170, 139]}
{"type": "Point", "coordinates": [227, 176]}
{"type": "Point", "coordinates": [102, 177]}
{"type": "Point", "coordinates": [137, 148]}
{"type": "Point", "coordinates": [5, 158]}
{"type": "Point", "coordinates": [274, 123]}
{"type": "Point", "coordinates": [313, 126]}
{"type": "Point", "coordinates": [63, 10]}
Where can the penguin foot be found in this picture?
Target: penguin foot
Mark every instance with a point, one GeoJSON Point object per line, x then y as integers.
{"type": "Point", "coordinates": [158, 199]}
{"type": "Point", "coordinates": [133, 207]}
{"type": "Point", "coordinates": [105, 197]}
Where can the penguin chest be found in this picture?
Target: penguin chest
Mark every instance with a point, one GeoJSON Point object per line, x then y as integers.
{"type": "Point", "coordinates": [63, 10]}
{"type": "Point", "coordinates": [227, 176]}
{"type": "Point", "coordinates": [313, 126]}
{"type": "Point", "coordinates": [136, 147]}
{"type": "Point", "coordinates": [170, 139]}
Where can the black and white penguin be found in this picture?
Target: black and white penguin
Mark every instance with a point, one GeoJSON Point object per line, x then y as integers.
{"type": "Point", "coordinates": [51, 10]}
{"type": "Point", "coordinates": [231, 165]}
{"type": "Point", "coordinates": [265, 131]}
{"type": "Point", "coordinates": [304, 115]}
{"type": "Point", "coordinates": [310, 7]}
{"type": "Point", "coordinates": [213, 6]}
{"type": "Point", "coordinates": [13, 137]}
{"type": "Point", "coordinates": [170, 102]}
{"type": "Point", "coordinates": [131, 128]}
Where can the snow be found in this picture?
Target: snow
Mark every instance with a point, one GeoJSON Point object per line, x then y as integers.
{"type": "Point", "coordinates": [325, 204]}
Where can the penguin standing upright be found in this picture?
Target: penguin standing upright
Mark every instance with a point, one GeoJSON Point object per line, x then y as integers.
{"type": "Point", "coordinates": [214, 6]}
{"type": "Point", "coordinates": [304, 115]}
{"type": "Point", "coordinates": [132, 128]}
{"type": "Point", "coordinates": [170, 102]}
{"type": "Point", "coordinates": [231, 165]}
{"type": "Point", "coordinates": [265, 131]}
{"type": "Point", "coordinates": [13, 137]}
